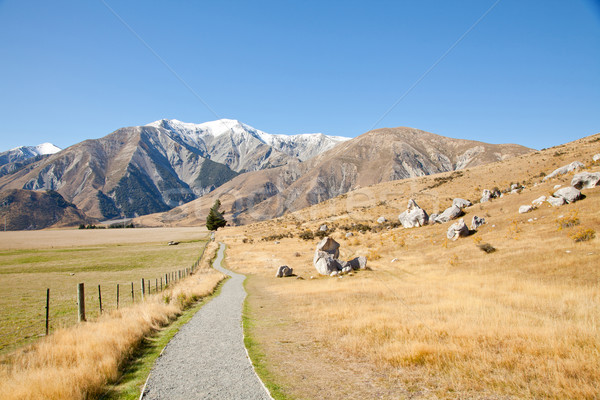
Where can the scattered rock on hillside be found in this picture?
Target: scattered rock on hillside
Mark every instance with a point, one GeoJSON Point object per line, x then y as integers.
{"type": "Point", "coordinates": [349, 234]}
{"type": "Point", "coordinates": [450, 213]}
{"type": "Point", "coordinates": [346, 269]}
{"type": "Point", "coordinates": [358, 263]}
{"type": "Point", "coordinates": [326, 259]}
{"type": "Point", "coordinates": [284, 271]}
{"type": "Point", "coordinates": [570, 194]}
{"type": "Point", "coordinates": [555, 201]}
{"type": "Point", "coordinates": [461, 203]}
{"type": "Point", "coordinates": [487, 195]}
{"type": "Point", "coordinates": [525, 209]}
{"type": "Point", "coordinates": [323, 228]}
{"type": "Point", "coordinates": [477, 222]}
{"type": "Point", "coordinates": [381, 220]}
{"type": "Point", "coordinates": [457, 229]}
{"type": "Point", "coordinates": [564, 169]}
{"type": "Point", "coordinates": [539, 201]}
{"type": "Point", "coordinates": [596, 157]}
{"type": "Point", "coordinates": [586, 180]}
{"type": "Point", "coordinates": [414, 216]}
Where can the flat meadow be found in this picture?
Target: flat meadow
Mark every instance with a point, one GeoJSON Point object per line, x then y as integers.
{"type": "Point", "coordinates": [33, 261]}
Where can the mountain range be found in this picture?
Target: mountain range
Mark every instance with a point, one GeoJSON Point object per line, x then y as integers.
{"type": "Point", "coordinates": [153, 168]}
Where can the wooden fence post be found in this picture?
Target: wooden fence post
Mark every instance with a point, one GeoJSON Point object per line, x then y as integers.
{"type": "Point", "coordinates": [47, 309]}
{"type": "Point", "coordinates": [100, 298]}
{"type": "Point", "coordinates": [80, 303]}
{"type": "Point", "coordinates": [117, 296]}
{"type": "Point", "coordinates": [143, 287]}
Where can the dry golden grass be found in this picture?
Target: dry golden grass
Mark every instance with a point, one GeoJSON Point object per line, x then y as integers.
{"type": "Point", "coordinates": [446, 320]}
{"type": "Point", "coordinates": [79, 362]}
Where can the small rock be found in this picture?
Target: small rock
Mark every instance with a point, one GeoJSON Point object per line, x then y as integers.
{"type": "Point", "coordinates": [277, 242]}
{"type": "Point", "coordinates": [525, 209]}
{"type": "Point", "coordinates": [323, 228]}
{"type": "Point", "coordinates": [334, 273]}
{"type": "Point", "coordinates": [381, 220]}
{"type": "Point", "coordinates": [461, 203]}
{"type": "Point", "coordinates": [346, 270]}
{"type": "Point", "coordinates": [349, 234]}
{"type": "Point", "coordinates": [358, 263]}
{"type": "Point", "coordinates": [555, 201]}
{"type": "Point", "coordinates": [596, 157]}
{"type": "Point", "coordinates": [530, 220]}
{"type": "Point", "coordinates": [570, 194]}
{"type": "Point", "coordinates": [284, 271]}
{"type": "Point", "coordinates": [477, 222]}
{"type": "Point", "coordinates": [586, 180]}
{"type": "Point", "coordinates": [539, 201]}
{"type": "Point", "coordinates": [300, 278]}
{"type": "Point", "coordinates": [486, 195]}
{"type": "Point", "coordinates": [556, 187]}
{"type": "Point", "coordinates": [312, 277]}
{"type": "Point", "coordinates": [394, 259]}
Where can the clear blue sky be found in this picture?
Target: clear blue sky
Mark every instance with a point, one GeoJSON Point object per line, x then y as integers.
{"type": "Point", "coordinates": [528, 73]}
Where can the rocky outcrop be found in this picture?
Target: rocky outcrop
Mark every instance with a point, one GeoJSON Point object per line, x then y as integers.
{"type": "Point", "coordinates": [586, 180]}
{"type": "Point", "coordinates": [570, 194]}
{"type": "Point", "coordinates": [564, 169]}
{"type": "Point", "coordinates": [449, 214]}
{"type": "Point", "coordinates": [487, 195]}
{"type": "Point", "coordinates": [457, 229]}
{"type": "Point", "coordinates": [539, 201]}
{"type": "Point", "coordinates": [284, 271]}
{"type": "Point", "coordinates": [414, 216]}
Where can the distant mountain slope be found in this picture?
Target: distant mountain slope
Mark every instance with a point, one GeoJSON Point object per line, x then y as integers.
{"type": "Point", "coordinates": [153, 168]}
{"type": "Point", "coordinates": [376, 156]}
{"type": "Point", "coordinates": [23, 153]}
{"type": "Point", "coordinates": [26, 209]}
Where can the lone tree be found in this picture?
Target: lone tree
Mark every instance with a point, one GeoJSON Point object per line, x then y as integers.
{"type": "Point", "coordinates": [215, 219]}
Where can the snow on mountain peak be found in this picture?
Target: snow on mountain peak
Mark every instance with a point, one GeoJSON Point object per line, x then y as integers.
{"type": "Point", "coordinates": [46, 148]}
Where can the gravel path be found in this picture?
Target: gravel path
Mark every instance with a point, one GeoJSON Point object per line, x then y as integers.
{"type": "Point", "coordinates": [207, 359]}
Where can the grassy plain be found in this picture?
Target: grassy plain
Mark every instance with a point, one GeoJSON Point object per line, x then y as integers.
{"type": "Point", "coordinates": [32, 261]}
{"type": "Point", "coordinates": [434, 318]}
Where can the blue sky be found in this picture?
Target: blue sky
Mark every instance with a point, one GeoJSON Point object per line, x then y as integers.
{"type": "Point", "coordinates": [527, 73]}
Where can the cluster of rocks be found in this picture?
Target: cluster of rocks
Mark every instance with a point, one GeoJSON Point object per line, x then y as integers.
{"type": "Point", "coordinates": [327, 262]}
{"type": "Point", "coordinates": [487, 195]}
{"type": "Point", "coordinates": [415, 216]}
{"type": "Point", "coordinates": [564, 169]}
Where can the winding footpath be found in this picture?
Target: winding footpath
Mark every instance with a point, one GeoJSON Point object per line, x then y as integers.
{"type": "Point", "coordinates": [207, 359]}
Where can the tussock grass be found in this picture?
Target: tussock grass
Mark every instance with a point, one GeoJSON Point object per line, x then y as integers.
{"type": "Point", "coordinates": [79, 362]}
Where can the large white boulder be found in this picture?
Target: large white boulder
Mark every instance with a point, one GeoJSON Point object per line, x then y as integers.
{"type": "Point", "coordinates": [414, 216]}
{"type": "Point", "coordinates": [586, 180]}
{"type": "Point", "coordinates": [570, 194]}
{"type": "Point", "coordinates": [555, 201]}
{"type": "Point", "coordinates": [525, 209]}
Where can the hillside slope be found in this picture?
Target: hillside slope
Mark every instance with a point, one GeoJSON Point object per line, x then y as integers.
{"type": "Point", "coordinates": [377, 156]}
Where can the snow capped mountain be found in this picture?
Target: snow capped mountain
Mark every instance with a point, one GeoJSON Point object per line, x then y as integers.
{"type": "Point", "coordinates": [23, 153]}
{"type": "Point", "coordinates": [301, 146]}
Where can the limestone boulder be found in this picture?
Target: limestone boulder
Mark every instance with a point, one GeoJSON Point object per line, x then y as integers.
{"type": "Point", "coordinates": [570, 194]}
{"type": "Point", "coordinates": [457, 229]}
{"type": "Point", "coordinates": [539, 201]}
{"type": "Point", "coordinates": [323, 228]}
{"type": "Point", "coordinates": [449, 214]}
{"type": "Point", "coordinates": [586, 180]}
{"type": "Point", "coordinates": [326, 264]}
{"type": "Point", "coordinates": [555, 201]}
{"type": "Point", "coordinates": [358, 263]}
{"type": "Point", "coordinates": [564, 169]}
{"type": "Point", "coordinates": [381, 220]}
{"type": "Point", "coordinates": [525, 209]}
{"type": "Point", "coordinates": [596, 157]}
{"type": "Point", "coordinates": [414, 216]}
{"type": "Point", "coordinates": [461, 203]}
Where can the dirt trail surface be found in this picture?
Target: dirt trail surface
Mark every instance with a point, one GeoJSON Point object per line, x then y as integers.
{"type": "Point", "coordinates": [207, 359]}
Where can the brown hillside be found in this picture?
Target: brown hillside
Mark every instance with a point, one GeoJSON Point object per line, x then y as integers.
{"type": "Point", "coordinates": [27, 209]}
{"type": "Point", "coordinates": [434, 318]}
{"type": "Point", "coordinates": [377, 156]}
